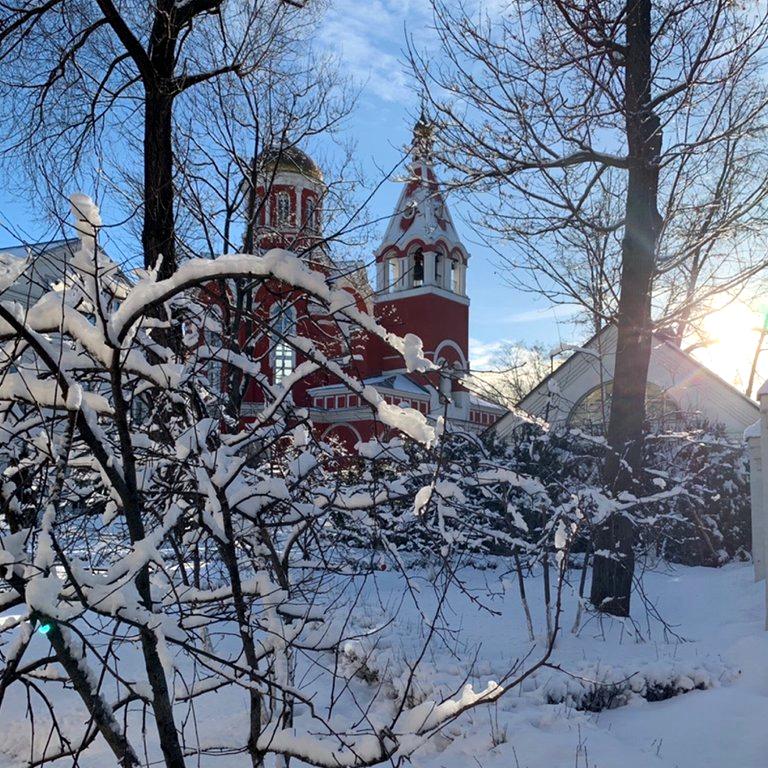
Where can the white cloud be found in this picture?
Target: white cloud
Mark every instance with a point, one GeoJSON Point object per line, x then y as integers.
{"type": "Point", "coordinates": [557, 312]}
{"type": "Point", "coordinates": [483, 354]}
{"type": "Point", "coordinates": [369, 39]}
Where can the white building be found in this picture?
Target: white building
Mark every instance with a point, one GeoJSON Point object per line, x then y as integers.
{"type": "Point", "coordinates": [757, 440]}
{"type": "Point", "coordinates": [577, 393]}
{"type": "Point", "coordinates": [38, 267]}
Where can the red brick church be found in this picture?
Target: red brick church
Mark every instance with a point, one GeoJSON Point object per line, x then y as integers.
{"type": "Point", "coordinates": [421, 270]}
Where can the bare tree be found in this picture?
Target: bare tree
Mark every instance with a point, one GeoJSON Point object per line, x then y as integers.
{"type": "Point", "coordinates": [235, 133]}
{"type": "Point", "coordinates": [577, 265]}
{"type": "Point", "coordinates": [540, 103]}
{"type": "Point", "coordinates": [516, 369]}
{"type": "Point", "coordinates": [81, 81]}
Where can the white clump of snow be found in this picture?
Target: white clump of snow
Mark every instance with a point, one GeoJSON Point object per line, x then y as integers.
{"type": "Point", "coordinates": [377, 449]}
{"type": "Point", "coordinates": [421, 499]}
{"type": "Point", "coordinates": [413, 353]}
{"type": "Point", "coordinates": [74, 397]}
{"type": "Point", "coordinates": [87, 216]}
{"type": "Point", "coordinates": [300, 436]}
{"type": "Point", "coordinates": [407, 420]}
{"type": "Point", "coordinates": [561, 540]}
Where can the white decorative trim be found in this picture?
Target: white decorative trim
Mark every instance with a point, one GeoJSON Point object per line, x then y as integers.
{"type": "Point", "coordinates": [423, 290]}
{"type": "Point", "coordinates": [453, 345]}
{"type": "Point", "coordinates": [342, 424]}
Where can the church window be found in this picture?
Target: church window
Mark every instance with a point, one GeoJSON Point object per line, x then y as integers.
{"type": "Point", "coordinates": [283, 325]}
{"type": "Point", "coordinates": [418, 268]}
{"type": "Point", "coordinates": [213, 368]}
{"type": "Point", "coordinates": [454, 276]}
{"type": "Point", "coordinates": [312, 214]}
{"type": "Point", "coordinates": [283, 208]}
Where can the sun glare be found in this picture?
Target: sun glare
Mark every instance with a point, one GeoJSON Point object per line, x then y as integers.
{"type": "Point", "coordinates": [731, 334]}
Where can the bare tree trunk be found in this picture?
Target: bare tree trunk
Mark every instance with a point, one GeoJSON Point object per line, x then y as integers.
{"type": "Point", "coordinates": [612, 574]}
{"type": "Point", "coordinates": [523, 598]}
{"type": "Point", "coordinates": [158, 233]}
{"type": "Point", "coordinates": [97, 707]}
{"type": "Point", "coordinates": [582, 584]}
{"type": "Point", "coordinates": [162, 705]}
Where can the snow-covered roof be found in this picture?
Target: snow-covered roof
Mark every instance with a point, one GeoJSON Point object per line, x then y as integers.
{"type": "Point", "coordinates": [483, 403]}
{"type": "Point", "coordinates": [682, 378]}
{"type": "Point", "coordinates": [38, 266]}
{"type": "Point", "coordinates": [397, 382]}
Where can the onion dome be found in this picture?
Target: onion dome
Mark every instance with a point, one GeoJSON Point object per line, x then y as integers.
{"type": "Point", "coordinates": [289, 160]}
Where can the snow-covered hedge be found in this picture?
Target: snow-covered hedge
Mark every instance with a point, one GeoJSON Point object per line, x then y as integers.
{"type": "Point", "coordinates": [588, 686]}
{"type": "Point", "coordinates": [709, 524]}
{"type": "Point", "coordinates": [595, 687]}
{"type": "Point", "coordinates": [691, 505]}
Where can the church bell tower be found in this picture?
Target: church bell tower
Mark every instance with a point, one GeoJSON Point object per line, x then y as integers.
{"type": "Point", "coordinates": [421, 265]}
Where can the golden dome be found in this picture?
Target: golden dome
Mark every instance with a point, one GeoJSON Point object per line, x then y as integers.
{"type": "Point", "coordinates": [289, 160]}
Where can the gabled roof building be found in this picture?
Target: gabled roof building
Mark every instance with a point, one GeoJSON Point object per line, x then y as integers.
{"type": "Point", "coordinates": [680, 390]}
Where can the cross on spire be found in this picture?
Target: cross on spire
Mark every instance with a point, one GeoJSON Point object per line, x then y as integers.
{"type": "Point", "coordinates": [423, 139]}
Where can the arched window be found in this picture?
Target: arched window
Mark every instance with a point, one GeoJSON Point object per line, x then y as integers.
{"type": "Point", "coordinates": [593, 410]}
{"type": "Point", "coordinates": [213, 368]}
{"type": "Point", "coordinates": [312, 214]}
{"type": "Point", "coordinates": [283, 325]}
{"type": "Point", "coordinates": [393, 274]}
{"type": "Point", "coordinates": [283, 208]}
{"type": "Point", "coordinates": [418, 268]}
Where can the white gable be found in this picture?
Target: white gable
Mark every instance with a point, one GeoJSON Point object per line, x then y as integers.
{"type": "Point", "coordinates": [690, 384]}
{"type": "Point", "coordinates": [422, 201]}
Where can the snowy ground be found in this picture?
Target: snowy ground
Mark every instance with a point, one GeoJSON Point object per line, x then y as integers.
{"type": "Point", "coordinates": [719, 613]}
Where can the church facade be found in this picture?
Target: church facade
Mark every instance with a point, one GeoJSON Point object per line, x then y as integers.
{"type": "Point", "coordinates": [420, 288]}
